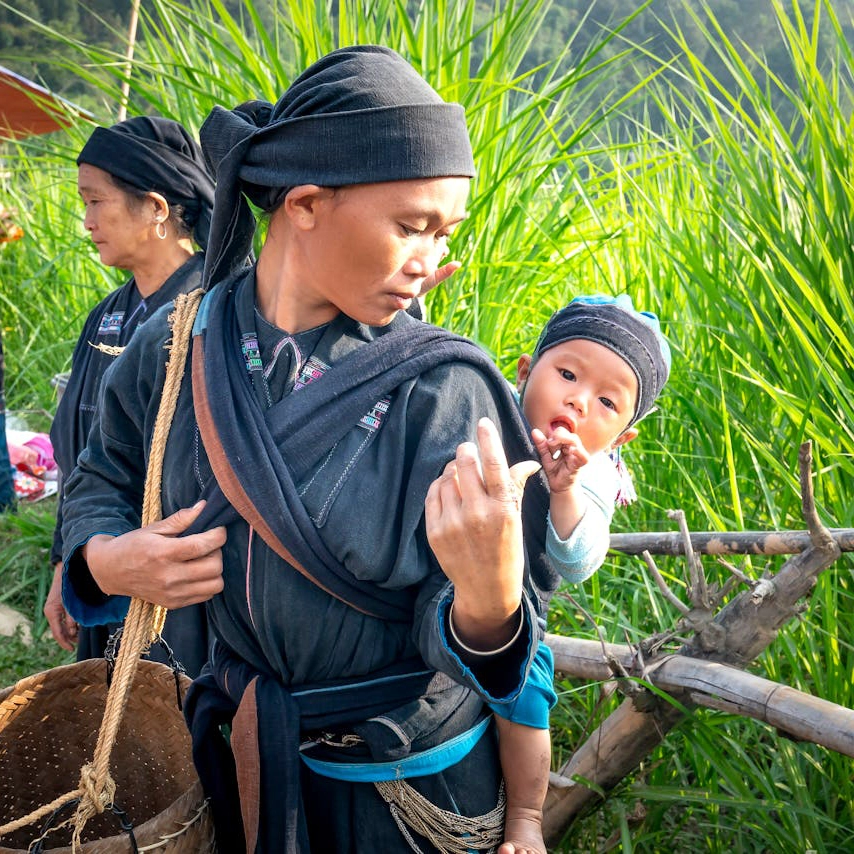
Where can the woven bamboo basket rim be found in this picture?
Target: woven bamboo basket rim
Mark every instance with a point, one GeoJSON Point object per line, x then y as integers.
{"type": "Point", "coordinates": [154, 728]}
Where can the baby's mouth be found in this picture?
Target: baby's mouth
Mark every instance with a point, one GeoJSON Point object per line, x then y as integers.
{"type": "Point", "coordinates": [562, 422]}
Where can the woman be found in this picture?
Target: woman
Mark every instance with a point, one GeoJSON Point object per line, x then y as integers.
{"type": "Point", "coordinates": [350, 666]}
{"type": "Point", "coordinates": [148, 197]}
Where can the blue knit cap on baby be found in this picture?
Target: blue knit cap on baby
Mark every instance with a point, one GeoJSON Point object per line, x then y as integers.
{"type": "Point", "coordinates": [614, 323]}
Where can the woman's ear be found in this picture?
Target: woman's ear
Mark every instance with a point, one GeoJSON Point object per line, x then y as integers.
{"type": "Point", "coordinates": [523, 369]}
{"type": "Point", "coordinates": [304, 203]}
{"type": "Point", "coordinates": [160, 205]}
{"type": "Point", "coordinates": [626, 436]}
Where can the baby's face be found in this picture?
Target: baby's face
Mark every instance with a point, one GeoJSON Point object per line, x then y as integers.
{"type": "Point", "coordinates": [582, 386]}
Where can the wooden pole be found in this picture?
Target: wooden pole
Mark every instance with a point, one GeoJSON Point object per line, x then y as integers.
{"type": "Point", "coordinates": [726, 542]}
{"type": "Point", "coordinates": [715, 686]}
{"type": "Point", "coordinates": [134, 18]}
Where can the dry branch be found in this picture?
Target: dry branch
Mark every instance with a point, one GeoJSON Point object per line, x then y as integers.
{"type": "Point", "coordinates": [716, 686]}
{"type": "Point", "coordinates": [725, 543]}
{"type": "Point", "coordinates": [736, 635]}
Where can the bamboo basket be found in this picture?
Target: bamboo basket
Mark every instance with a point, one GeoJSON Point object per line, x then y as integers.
{"type": "Point", "coordinates": [48, 729]}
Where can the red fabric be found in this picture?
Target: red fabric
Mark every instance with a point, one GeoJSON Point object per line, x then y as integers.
{"type": "Point", "coordinates": [247, 759]}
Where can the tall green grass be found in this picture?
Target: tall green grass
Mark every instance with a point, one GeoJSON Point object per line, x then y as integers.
{"type": "Point", "coordinates": [733, 225]}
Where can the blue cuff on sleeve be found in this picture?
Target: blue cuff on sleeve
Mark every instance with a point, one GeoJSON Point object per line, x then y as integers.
{"type": "Point", "coordinates": [85, 609]}
{"type": "Point", "coordinates": [538, 696]}
{"type": "Point", "coordinates": [444, 604]}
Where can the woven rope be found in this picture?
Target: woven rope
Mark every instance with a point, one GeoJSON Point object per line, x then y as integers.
{"type": "Point", "coordinates": [144, 620]}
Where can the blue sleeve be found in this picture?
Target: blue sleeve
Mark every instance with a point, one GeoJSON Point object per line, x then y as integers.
{"type": "Point", "coordinates": [83, 599]}
{"type": "Point", "coordinates": [538, 696]}
{"type": "Point", "coordinates": [578, 556]}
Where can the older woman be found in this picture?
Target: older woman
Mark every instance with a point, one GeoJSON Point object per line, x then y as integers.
{"type": "Point", "coordinates": [148, 197]}
{"type": "Point", "coordinates": [351, 667]}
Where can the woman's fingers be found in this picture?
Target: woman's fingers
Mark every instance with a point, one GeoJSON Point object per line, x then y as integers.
{"type": "Point", "coordinates": [442, 273]}
{"type": "Point", "coordinates": [483, 471]}
{"type": "Point", "coordinates": [521, 471]}
{"type": "Point", "coordinates": [155, 564]}
{"type": "Point", "coordinates": [493, 461]}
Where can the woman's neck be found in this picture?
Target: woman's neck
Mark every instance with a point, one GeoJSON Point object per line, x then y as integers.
{"type": "Point", "coordinates": [281, 292]}
{"type": "Point", "coordinates": [152, 274]}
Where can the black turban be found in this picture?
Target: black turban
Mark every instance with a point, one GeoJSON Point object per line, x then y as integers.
{"type": "Point", "coordinates": [359, 115]}
{"type": "Point", "coordinates": [157, 155]}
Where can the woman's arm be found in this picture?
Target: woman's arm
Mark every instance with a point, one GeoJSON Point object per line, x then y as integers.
{"type": "Point", "coordinates": [108, 557]}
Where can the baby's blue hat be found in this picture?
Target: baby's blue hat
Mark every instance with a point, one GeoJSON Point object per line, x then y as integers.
{"type": "Point", "coordinates": [614, 323]}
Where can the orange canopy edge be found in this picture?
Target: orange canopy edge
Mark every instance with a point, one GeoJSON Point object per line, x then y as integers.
{"type": "Point", "coordinates": [27, 109]}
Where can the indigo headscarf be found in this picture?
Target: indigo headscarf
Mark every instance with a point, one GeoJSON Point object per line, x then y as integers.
{"type": "Point", "coordinates": [614, 323]}
{"type": "Point", "coordinates": [157, 155]}
{"type": "Point", "coordinates": [359, 115]}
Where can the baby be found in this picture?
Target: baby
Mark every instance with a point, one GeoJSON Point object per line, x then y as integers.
{"type": "Point", "coordinates": [597, 369]}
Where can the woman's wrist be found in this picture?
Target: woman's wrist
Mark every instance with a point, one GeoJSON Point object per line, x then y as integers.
{"type": "Point", "coordinates": [90, 552]}
{"type": "Point", "coordinates": [478, 636]}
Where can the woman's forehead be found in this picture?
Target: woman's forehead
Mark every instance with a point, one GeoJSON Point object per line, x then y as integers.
{"type": "Point", "coordinates": [437, 195]}
{"type": "Point", "coordinates": [91, 177]}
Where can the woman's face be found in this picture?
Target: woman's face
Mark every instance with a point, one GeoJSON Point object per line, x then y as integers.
{"type": "Point", "coordinates": [122, 230]}
{"type": "Point", "coordinates": [372, 246]}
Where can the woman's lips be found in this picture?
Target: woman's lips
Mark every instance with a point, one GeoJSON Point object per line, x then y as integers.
{"type": "Point", "coordinates": [402, 301]}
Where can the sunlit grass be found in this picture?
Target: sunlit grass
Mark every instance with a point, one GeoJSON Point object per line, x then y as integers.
{"type": "Point", "coordinates": [734, 226]}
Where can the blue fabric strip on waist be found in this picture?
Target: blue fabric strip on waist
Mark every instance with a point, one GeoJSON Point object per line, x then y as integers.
{"type": "Point", "coordinates": [421, 764]}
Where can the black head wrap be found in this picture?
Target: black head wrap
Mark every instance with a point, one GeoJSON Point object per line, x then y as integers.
{"type": "Point", "coordinates": [614, 323]}
{"type": "Point", "coordinates": [359, 115]}
{"type": "Point", "coordinates": [157, 155]}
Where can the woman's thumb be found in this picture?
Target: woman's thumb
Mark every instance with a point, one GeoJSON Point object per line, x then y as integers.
{"type": "Point", "coordinates": [520, 472]}
{"type": "Point", "coordinates": [179, 521]}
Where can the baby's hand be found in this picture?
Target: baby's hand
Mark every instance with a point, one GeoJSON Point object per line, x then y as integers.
{"type": "Point", "coordinates": [562, 455]}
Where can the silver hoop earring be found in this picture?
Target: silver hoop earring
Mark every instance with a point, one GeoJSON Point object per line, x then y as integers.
{"type": "Point", "coordinates": [160, 230]}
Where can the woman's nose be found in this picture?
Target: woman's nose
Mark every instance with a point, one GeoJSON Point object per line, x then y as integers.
{"type": "Point", "coordinates": [425, 258]}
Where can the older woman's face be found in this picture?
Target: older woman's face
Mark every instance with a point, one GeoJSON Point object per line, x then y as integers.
{"type": "Point", "coordinates": [374, 245]}
{"type": "Point", "coordinates": [122, 231]}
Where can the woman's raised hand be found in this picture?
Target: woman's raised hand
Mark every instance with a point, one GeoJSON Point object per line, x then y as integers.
{"type": "Point", "coordinates": [155, 564]}
{"type": "Point", "coordinates": [474, 526]}
{"type": "Point", "coordinates": [442, 273]}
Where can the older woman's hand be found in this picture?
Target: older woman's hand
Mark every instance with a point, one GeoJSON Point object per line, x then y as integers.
{"type": "Point", "coordinates": [474, 526]}
{"type": "Point", "coordinates": [62, 625]}
{"type": "Point", "coordinates": [155, 564]}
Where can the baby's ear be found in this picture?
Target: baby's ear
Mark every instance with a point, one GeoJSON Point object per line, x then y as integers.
{"type": "Point", "coordinates": [626, 436]}
{"type": "Point", "coordinates": [523, 368]}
